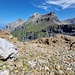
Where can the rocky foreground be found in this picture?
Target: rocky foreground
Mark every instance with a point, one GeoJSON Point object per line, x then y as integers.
{"type": "Point", "coordinates": [45, 56]}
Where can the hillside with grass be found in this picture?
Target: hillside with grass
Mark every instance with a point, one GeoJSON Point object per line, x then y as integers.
{"type": "Point", "coordinates": [29, 29]}
{"type": "Point", "coordinates": [44, 29]}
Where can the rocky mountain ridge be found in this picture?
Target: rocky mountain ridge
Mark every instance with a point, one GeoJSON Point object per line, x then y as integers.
{"type": "Point", "coordinates": [44, 25]}
{"type": "Point", "coordinates": [37, 18]}
{"type": "Point", "coordinates": [70, 21]}
{"type": "Point", "coordinates": [13, 25]}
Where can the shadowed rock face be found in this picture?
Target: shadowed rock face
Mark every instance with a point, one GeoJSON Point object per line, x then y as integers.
{"type": "Point", "coordinates": [36, 18]}
{"type": "Point", "coordinates": [7, 50]}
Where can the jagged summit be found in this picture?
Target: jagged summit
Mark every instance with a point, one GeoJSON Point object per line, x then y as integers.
{"type": "Point", "coordinates": [37, 22]}
{"type": "Point", "coordinates": [51, 13]}
{"type": "Point", "coordinates": [36, 14]}
{"type": "Point", "coordinates": [33, 18]}
{"type": "Point", "coordinates": [36, 18]}
{"type": "Point", "coordinates": [11, 26]}
{"type": "Point", "coordinates": [70, 21]}
{"type": "Point", "coordinates": [19, 19]}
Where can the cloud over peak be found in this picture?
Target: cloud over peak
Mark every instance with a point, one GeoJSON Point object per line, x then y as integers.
{"type": "Point", "coordinates": [55, 4]}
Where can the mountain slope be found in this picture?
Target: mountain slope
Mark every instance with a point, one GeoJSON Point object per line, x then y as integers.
{"type": "Point", "coordinates": [70, 21]}
{"type": "Point", "coordinates": [46, 56]}
{"type": "Point", "coordinates": [44, 29]}
{"type": "Point", "coordinates": [13, 25]}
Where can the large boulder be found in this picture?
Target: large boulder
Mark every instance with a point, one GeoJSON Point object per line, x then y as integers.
{"type": "Point", "coordinates": [8, 50]}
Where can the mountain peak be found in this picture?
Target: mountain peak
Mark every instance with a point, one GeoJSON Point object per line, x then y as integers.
{"type": "Point", "coordinates": [51, 13]}
{"type": "Point", "coordinates": [19, 19]}
{"type": "Point", "coordinates": [50, 16]}
{"type": "Point", "coordinates": [34, 15]}
{"type": "Point", "coordinates": [11, 26]}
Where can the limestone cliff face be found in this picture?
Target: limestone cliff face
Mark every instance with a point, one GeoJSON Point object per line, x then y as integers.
{"type": "Point", "coordinates": [8, 50]}
{"type": "Point", "coordinates": [36, 18]}
{"type": "Point", "coordinates": [6, 35]}
{"type": "Point", "coordinates": [70, 21]}
{"type": "Point", "coordinates": [11, 26]}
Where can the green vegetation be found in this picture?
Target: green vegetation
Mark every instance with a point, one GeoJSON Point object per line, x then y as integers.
{"type": "Point", "coordinates": [32, 29]}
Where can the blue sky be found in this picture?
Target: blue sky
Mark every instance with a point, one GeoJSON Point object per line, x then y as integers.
{"type": "Point", "coordinates": [11, 10]}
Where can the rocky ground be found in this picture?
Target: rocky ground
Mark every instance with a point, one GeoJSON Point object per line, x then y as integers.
{"type": "Point", "coordinates": [45, 56]}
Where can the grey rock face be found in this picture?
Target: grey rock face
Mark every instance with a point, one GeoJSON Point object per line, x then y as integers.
{"type": "Point", "coordinates": [11, 26]}
{"type": "Point", "coordinates": [6, 72]}
{"type": "Point", "coordinates": [7, 50]}
{"type": "Point", "coordinates": [36, 18]}
{"type": "Point", "coordinates": [33, 18]}
{"type": "Point", "coordinates": [70, 21]}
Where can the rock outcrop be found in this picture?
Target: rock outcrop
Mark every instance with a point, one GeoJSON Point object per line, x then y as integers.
{"type": "Point", "coordinates": [37, 18]}
{"type": "Point", "coordinates": [13, 41]}
{"type": "Point", "coordinates": [70, 21]}
{"type": "Point", "coordinates": [11, 26]}
{"type": "Point", "coordinates": [8, 50]}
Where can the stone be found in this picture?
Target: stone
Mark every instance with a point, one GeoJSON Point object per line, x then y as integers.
{"type": "Point", "coordinates": [47, 68]}
{"type": "Point", "coordinates": [52, 73]}
{"type": "Point", "coordinates": [16, 71]}
{"type": "Point", "coordinates": [72, 46]}
{"type": "Point", "coordinates": [32, 63]}
{"type": "Point", "coordinates": [61, 72]}
{"type": "Point", "coordinates": [8, 50]}
{"type": "Point", "coordinates": [5, 72]}
{"type": "Point", "coordinates": [57, 67]}
{"type": "Point", "coordinates": [4, 67]}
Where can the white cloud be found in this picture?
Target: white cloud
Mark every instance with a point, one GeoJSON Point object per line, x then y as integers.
{"type": "Point", "coordinates": [40, 5]}
{"type": "Point", "coordinates": [43, 7]}
{"type": "Point", "coordinates": [46, 4]}
{"type": "Point", "coordinates": [57, 9]}
{"type": "Point", "coordinates": [62, 3]}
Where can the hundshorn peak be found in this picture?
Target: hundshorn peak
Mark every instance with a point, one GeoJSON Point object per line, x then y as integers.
{"type": "Point", "coordinates": [13, 25]}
